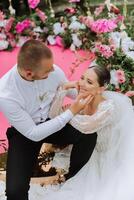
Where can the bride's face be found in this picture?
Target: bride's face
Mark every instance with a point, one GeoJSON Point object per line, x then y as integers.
{"type": "Point", "coordinates": [89, 83]}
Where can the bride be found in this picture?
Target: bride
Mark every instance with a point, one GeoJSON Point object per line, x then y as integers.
{"type": "Point", "coordinates": [109, 174]}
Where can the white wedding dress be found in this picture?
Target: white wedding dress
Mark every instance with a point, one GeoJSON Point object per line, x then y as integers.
{"type": "Point", "coordinates": [109, 174]}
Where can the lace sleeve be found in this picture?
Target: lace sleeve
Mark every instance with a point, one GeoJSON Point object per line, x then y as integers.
{"type": "Point", "coordinates": [92, 123]}
{"type": "Point", "coordinates": [56, 106]}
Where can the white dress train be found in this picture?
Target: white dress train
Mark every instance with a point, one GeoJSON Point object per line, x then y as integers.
{"type": "Point", "coordinates": [109, 174]}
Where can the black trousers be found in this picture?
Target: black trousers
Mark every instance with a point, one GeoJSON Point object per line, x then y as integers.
{"type": "Point", "coordinates": [23, 153]}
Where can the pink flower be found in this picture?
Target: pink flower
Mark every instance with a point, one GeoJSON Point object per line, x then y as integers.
{"type": "Point", "coordinates": [21, 26]}
{"type": "Point", "coordinates": [121, 80]}
{"type": "Point", "coordinates": [99, 10]}
{"type": "Point", "coordinates": [59, 41]}
{"type": "Point", "coordinates": [114, 9]}
{"type": "Point", "coordinates": [41, 15]}
{"type": "Point", "coordinates": [103, 25]}
{"type": "Point", "coordinates": [117, 89]}
{"type": "Point", "coordinates": [64, 25]}
{"type": "Point", "coordinates": [10, 36]}
{"type": "Point", "coordinates": [129, 93]}
{"type": "Point", "coordinates": [74, 1]}
{"type": "Point", "coordinates": [86, 20]}
{"type": "Point", "coordinates": [33, 3]}
{"type": "Point", "coordinates": [112, 47]}
{"type": "Point", "coordinates": [120, 73]}
{"type": "Point", "coordinates": [12, 43]}
{"type": "Point", "coordinates": [105, 50]}
{"type": "Point", "coordinates": [2, 16]}
{"type": "Point", "coordinates": [2, 36]}
{"type": "Point", "coordinates": [70, 10]}
{"type": "Point", "coordinates": [11, 39]}
{"type": "Point", "coordinates": [120, 76]}
{"type": "Point", "coordinates": [9, 24]}
{"type": "Point", "coordinates": [119, 18]}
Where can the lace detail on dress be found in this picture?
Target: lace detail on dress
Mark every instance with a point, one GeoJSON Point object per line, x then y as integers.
{"type": "Point", "coordinates": [93, 123]}
{"type": "Point", "coordinates": [99, 122]}
{"type": "Point", "coordinates": [85, 123]}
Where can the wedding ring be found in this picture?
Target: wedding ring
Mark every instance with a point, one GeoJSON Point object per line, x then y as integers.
{"type": "Point", "coordinates": [61, 175]}
{"type": "Point", "coordinates": [81, 100]}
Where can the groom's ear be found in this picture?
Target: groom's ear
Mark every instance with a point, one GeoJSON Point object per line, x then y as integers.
{"type": "Point", "coordinates": [29, 74]}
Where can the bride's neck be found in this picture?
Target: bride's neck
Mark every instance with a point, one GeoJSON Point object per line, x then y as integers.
{"type": "Point", "coordinates": [92, 107]}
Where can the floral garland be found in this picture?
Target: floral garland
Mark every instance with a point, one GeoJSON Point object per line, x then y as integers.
{"type": "Point", "coordinates": [103, 33]}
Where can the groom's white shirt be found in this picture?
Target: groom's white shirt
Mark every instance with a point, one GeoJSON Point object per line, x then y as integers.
{"type": "Point", "coordinates": [26, 104]}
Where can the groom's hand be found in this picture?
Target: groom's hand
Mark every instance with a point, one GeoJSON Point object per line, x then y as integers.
{"type": "Point", "coordinates": [65, 107]}
{"type": "Point", "coordinates": [71, 85]}
{"type": "Point", "coordinates": [81, 101]}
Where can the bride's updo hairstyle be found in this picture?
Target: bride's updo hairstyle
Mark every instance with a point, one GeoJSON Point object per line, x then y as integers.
{"type": "Point", "coordinates": [103, 75]}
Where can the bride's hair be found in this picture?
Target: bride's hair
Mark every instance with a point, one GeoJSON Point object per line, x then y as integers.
{"type": "Point", "coordinates": [103, 74]}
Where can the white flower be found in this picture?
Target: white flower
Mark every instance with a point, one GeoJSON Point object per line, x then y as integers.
{"type": "Point", "coordinates": [73, 19]}
{"type": "Point", "coordinates": [76, 41]}
{"type": "Point", "coordinates": [3, 23]}
{"type": "Point", "coordinates": [3, 44]}
{"type": "Point", "coordinates": [114, 79]}
{"type": "Point", "coordinates": [127, 44]}
{"type": "Point", "coordinates": [57, 28]}
{"type": "Point", "coordinates": [124, 34]}
{"type": "Point", "coordinates": [38, 30]}
{"type": "Point", "coordinates": [116, 37]}
{"type": "Point", "coordinates": [72, 47]}
{"type": "Point", "coordinates": [22, 40]}
{"type": "Point", "coordinates": [51, 39]}
{"type": "Point", "coordinates": [108, 4]}
{"type": "Point", "coordinates": [12, 11]}
{"type": "Point", "coordinates": [76, 26]}
{"type": "Point", "coordinates": [3, 36]}
{"type": "Point", "coordinates": [130, 54]}
{"type": "Point", "coordinates": [122, 27]}
{"type": "Point", "coordinates": [93, 63]}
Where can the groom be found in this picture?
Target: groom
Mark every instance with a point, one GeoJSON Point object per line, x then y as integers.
{"type": "Point", "coordinates": [26, 94]}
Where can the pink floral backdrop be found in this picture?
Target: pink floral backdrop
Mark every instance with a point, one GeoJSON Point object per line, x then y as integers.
{"type": "Point", "coordinates": [99, 37]}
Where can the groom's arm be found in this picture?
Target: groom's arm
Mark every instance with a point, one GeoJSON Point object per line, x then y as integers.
{"type": "Point", "coordinates": [24, 123]}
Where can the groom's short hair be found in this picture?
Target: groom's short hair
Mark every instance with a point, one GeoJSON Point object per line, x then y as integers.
{"type": "Point", "coordinates": [31, 54]}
